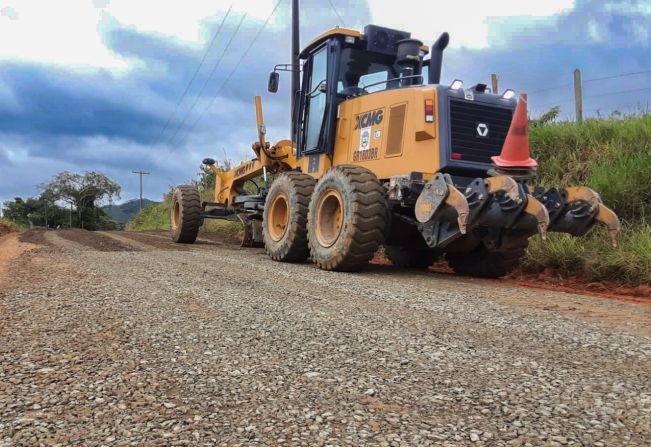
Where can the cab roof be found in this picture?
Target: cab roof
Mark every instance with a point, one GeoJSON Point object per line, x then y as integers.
{"type": "Point", "coordinates": [337, 32]}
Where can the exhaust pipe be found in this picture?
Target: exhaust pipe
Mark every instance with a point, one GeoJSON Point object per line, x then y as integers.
{"type": "Point", "coordinates": [436, 58]}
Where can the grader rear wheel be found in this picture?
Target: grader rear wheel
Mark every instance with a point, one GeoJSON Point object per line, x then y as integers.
{"type": "Point", "coordinates": [483, 263]}
{"type": "Point", "coordinates": [185, 216]}
{"type": "Point", "coordinates": [346, 218]}
{"type": "Point", "coordinates": [284, 221]}
{"type": "Point", "coordinates": [411, 257]}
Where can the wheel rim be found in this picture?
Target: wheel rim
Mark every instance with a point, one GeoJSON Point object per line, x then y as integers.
{"type": "Point", "coordinates": [278, 217]}
{"type": "Point", "coordinates": [329, 218]}
{"type": "Point", "coordinates": [176, 214]}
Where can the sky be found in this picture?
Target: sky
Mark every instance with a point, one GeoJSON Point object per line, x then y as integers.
{"type": "Point", "coordinates": [122, 85]}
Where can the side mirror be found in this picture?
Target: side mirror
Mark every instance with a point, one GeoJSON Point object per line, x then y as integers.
{"type": "Point", "coordinates": [323, 87]}
{"type": "Point", "coordinates": [274, 78]}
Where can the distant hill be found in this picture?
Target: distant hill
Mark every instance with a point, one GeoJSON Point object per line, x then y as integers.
{"type": "Point", "coordinates": [123, 213]}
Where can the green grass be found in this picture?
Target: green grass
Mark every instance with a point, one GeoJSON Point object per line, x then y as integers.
{"type": "Point", "coordinates": [613, 157]}
{"type": "Point", "coordinates": [593, 257]}
{"type": "Point", "coordinates": [570, 153]}
{"type": "Point", "coordinates": [152, 217]}
{"type": "Point", "coordinates": [157, 217]}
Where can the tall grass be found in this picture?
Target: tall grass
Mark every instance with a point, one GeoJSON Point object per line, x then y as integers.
{"type": "Point", "coordinates": [152, 217]}
{"type": "Point", "coordinates": [593, 257]}
{"type": "Point", "coordinates": [612, 156]}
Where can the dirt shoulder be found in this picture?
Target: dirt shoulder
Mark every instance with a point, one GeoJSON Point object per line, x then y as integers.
{"type": "Point", "coordinates": [11, 247]}
{"type": "Point", "coordinates": [640, 294]}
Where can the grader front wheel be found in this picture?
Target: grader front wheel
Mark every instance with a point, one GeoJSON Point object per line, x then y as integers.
{"type": "Point", "coordinates": [284, 221]}
{"type": "Point", "coordinates": [346, 218]}
{"type": "Point", "coordinates": [185, 216]}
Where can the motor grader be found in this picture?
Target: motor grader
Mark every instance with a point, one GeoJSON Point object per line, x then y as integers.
{"type": "Point", "coordinates": [383, 154]}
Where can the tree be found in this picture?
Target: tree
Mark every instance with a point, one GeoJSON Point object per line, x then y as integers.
{"type": "Point", "coordinates": [38, 211]}
{"type": "Point", "coordinates": [16, 210]}
{"type": "Point", "coordinates": [82, 192]}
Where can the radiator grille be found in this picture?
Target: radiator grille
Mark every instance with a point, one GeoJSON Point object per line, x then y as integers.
{"type": "Point", "coordinates": [396, 129]}
{"type": "Point", "coordinates": [465, 117]}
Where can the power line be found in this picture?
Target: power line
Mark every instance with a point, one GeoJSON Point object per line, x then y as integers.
{"type": "Point", "coordinates": [551, 88]}
{"type": "Point", "coordinates": [208, 79]}
{"type": "Point", "coordinates": [621, 75]}
{"type": "Point", "coordinates": [621, 92]}
{"type": "Point", "coordinates": [194, 76]}
{"type": "Point", "coordinates": [230, 75]}
{"type": "Point", "coordinates": [336, 13]}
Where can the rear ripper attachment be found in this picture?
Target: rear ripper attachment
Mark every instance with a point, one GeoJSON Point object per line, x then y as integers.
{"type": "Point", "coordinates": [499, 213]}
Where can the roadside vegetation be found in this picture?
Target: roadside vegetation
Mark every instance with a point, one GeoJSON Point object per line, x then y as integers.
{"type": "Point", "coordinates": [67, 200]}
{"type": "Point", "coordinates": [156, 217]}
{"type": "Point", "coordinates": [612, 156]}
{"type": "Point", "coordinates": [7, 226]}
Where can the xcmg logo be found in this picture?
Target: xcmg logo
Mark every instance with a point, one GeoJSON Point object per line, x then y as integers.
{"type": "Point", "coordinates": [369, 119]}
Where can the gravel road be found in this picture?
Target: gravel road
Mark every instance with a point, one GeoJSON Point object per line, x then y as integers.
{"type": "Point", "coordinates": [126, 339]}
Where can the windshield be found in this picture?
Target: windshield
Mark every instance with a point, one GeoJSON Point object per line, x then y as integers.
{"type": "Point", "coordinates": [360, 69]}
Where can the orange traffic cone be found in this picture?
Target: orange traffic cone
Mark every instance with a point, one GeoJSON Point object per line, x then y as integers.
{"type": "Point", "coordinates": [515, 152]}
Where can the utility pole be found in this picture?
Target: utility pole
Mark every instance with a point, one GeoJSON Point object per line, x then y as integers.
{"type": "Point", "coordinates": [140, 173]}
{"type": "Point", "coordinates": [295, 86]}
{"type": "Point", "coordinates": [494, 83]}
{"type": "Point", "coordinates": [578, 96]}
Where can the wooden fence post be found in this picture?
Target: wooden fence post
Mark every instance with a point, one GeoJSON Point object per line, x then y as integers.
{"type": "Point", "coordinates": [578, 96]}
{"type": "Point", "coordinates": [494, 82]}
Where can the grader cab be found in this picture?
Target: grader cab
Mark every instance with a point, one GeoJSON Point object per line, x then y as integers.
{"type": "Point", "coordinates": [383, 154]}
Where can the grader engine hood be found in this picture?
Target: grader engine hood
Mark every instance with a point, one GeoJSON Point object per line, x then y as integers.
{"type": "Point", "coordinates": [473, 127]}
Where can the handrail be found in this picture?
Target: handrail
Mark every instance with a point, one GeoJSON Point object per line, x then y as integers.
{"type": "Point", "coordinates": [393, 79]}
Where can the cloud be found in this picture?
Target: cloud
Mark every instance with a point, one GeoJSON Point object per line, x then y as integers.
{"type": "Point", "coordinates": [465, 20]}
{"type": "Point", "coordinates": [54, 118]}
{"type": "Point", "coordinates": [83, 112]}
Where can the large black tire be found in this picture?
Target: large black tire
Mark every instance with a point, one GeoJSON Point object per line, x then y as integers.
{"type": "Point", "coordinates": [483, 263]}
{"type": "Point", "coordinates": [346, 218]}
{"type": "Point", "coordinates": [411, 257]}
{"type": "Point", "coordinates": [186, 214]}
{"type": "Point", "coordinates": [284, 221]}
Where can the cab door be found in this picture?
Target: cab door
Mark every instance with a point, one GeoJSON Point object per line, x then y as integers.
{"type": "Point", "coordinates": [315, 100]}
{"type": "Point", "coordinates": [317, 115]}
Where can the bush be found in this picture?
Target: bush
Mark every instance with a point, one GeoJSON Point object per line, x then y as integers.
{"type": "Point", "coordinates": [7, 226]}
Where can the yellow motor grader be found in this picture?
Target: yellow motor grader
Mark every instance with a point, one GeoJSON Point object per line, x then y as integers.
{"type": "Point", "coordinates": [383, 154]}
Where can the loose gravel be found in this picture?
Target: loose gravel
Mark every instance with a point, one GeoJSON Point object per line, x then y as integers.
{"type": "Point", "coordinates": [216, 345]}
